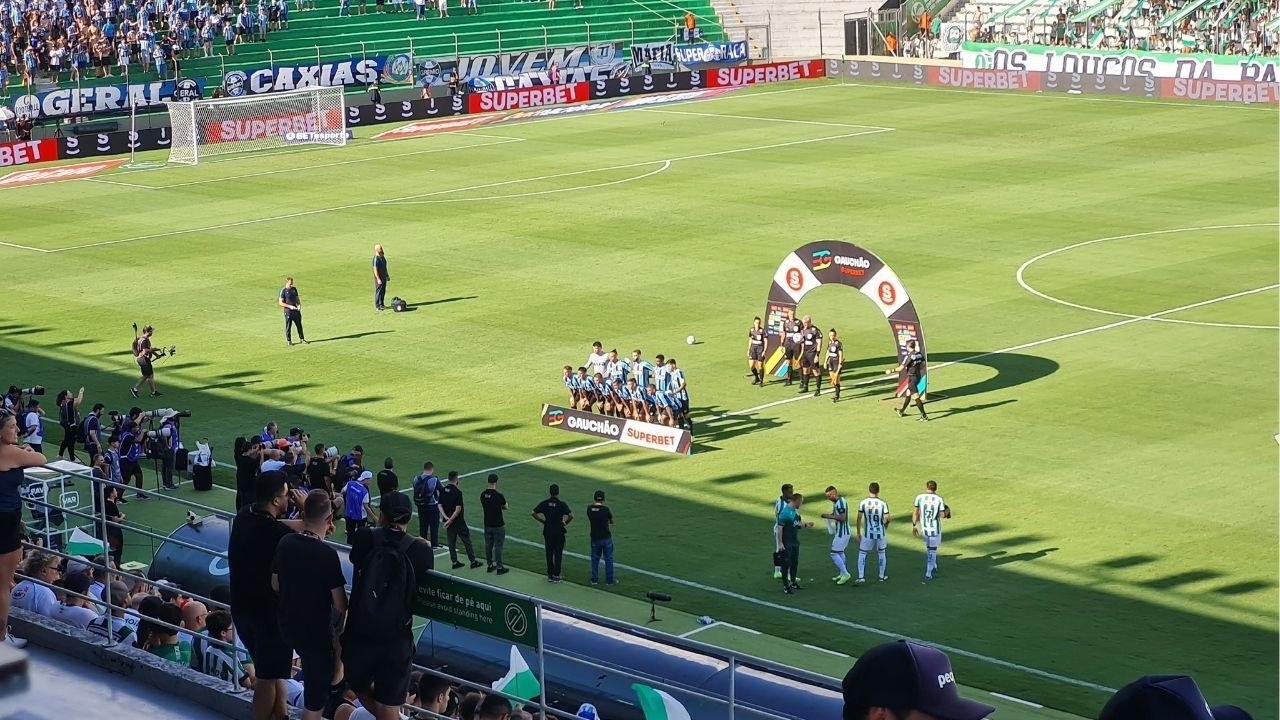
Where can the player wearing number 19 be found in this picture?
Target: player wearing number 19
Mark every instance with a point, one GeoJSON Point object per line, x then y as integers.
{"type": "Point", "coordinates": [873, 519]}
{"type": "Point", "coordinates": [926, 522]}
{"type": "Point", "coordinates": [838, 525]}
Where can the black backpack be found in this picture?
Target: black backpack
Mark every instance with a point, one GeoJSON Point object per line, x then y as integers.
{"type": "Point", "coordinates": [423, 495]}
{"type": "Point", "coordinates": [384, 590]}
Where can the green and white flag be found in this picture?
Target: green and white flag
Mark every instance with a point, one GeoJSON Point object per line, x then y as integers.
{"type": "Point", "coordinates": [83, 544]}
{"type": "Point", "coordinates": [519, 680]}
{"type": "Point", "coordinates": [658, 705]}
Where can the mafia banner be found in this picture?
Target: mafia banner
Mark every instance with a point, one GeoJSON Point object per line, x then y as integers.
{"type": "Point", "coordinates": [351, 71]}
{"type": "Point", "coordinates": [1043, 58]}
{"type": "Point", "coordinates": [532, 68]}
{"type": "Point", "coordinates": [623, 430]}
{"type": "Point", "coordinates": [105, 99]}
{"type": "Point", "coordinates": [835, 262]}
{"type": "Point", "coordinates": [768, 73]}
{"type": "Point", "coordinates": [659, 56]}
{"type": "Point", "coordinates": [712, 54]}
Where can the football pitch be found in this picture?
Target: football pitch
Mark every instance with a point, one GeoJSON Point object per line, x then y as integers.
{"type": "Point", "coordinates": [1097, 280]}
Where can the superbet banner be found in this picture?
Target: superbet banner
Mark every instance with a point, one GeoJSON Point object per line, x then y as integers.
{"type": "Point", "coordinates": [26, 152]}
{"type": "Point", "coordinates": [628, 432]}
{"type": "Point", "coordinates": [769, 73]}
{"type": "Point", "coordinates": [264, 126]}
{"type": "Point", "coordinates": [529, 97]}
{"type": "Point", "coordinates": [835, 262]}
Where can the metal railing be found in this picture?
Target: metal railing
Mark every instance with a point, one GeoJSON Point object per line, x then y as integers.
{"type": "Point", "coordinates": [51, 475]}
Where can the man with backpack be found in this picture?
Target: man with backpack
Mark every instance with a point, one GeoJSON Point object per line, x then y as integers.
{"type": "Point", "coordinates": [426, 495]}
{"type": "Point", "coordinates": [307, 574]}
{"type": "Point", "coordinates": [377, 647]}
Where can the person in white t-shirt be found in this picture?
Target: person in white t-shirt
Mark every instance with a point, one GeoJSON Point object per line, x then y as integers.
{"type": "Point", "coordinates": [34, 428]}
{"type": "Point", "coordinates": [75, 610]}
{"type": "Point", "coordinates": [32, 596]}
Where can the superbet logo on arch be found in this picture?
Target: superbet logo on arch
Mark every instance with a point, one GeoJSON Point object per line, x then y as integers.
{"type": "Point", "coordinates": [795, 279]}
{"type": "Point", "coordinates": [888, 294]}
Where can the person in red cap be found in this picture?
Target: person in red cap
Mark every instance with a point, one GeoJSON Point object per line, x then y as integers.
{"type": "Point", "coordinates": [905, 680]}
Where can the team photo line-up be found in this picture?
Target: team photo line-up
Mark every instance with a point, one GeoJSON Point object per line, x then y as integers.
{"type": "Point", "coordinates": [653, 392]}
{"type": "Point", "coordinates": [868, 530]}
{"type": "Point", "coordinates": [802, 346]}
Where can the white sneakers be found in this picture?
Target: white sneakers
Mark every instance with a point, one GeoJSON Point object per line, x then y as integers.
{"type": "Point", "coordinates": [14, 642]}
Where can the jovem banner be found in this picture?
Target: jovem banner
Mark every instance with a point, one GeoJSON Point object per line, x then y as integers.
{"type": "Point", "coordinates": [489, 611]}
{"type": "Point", "coordinates": [1042, 58]}
{"type": "Point", "coordinates": [628, 432]}
{"type": "Point", "coordinates": [105, 99]}
{"type": "Point", "coordinates": [1143, 86]}
{"type": "Point", "coordinates": [576, 63]}
{"type": "Point", "coordinates": [835, 262]}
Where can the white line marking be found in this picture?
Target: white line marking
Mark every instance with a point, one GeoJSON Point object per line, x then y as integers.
{"type": "Point", "coordinates": [665, 165]}
{"type": "Point", "coordinates": [369, 203]}
{"type": "Point", "coordinates": [104, 181]}
{"type": "Point", "coordinates": [1020, 275]}
{"type": "Point", "coordinates": [763, 119]}
{"type": "Point", "coordinates": [1055, 96]}
{"type": "Point", "coordinates": [836, 621]}
{"type": "Point", "coordinates": [23, 247]}
{"type": "Point", "coordinates": [569, 451]}
{"type": "Point", "coordinates": [747, 630]}
{"type": "Point", "coordinates": [315, 167]}
{"type": "Point", "coordinates": [1011, 698]}
{"type": "Point", "coordinates": [824, 650]}
{"type": "Point", "coordinates": [698, 629]}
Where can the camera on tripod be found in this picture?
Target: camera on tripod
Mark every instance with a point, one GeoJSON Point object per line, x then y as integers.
{"type": "Point", "coordinates": [158, 353]}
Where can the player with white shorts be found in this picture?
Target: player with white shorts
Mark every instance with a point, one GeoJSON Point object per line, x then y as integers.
{"type": "Point", "coordinates": [838, 527]}
{"type": "Point", "coordinates": [926, 522]}
{"type": "Point", "coordinates": [873, 520]}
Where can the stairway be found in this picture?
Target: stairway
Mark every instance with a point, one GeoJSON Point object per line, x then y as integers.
{"type": "Point", "coordinates": [798, 29]}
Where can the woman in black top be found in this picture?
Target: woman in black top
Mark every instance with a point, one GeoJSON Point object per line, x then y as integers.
{"type": "Point", "coordinates": [13, 458]}
{"type": "Point", "coordinates": [246, 471]}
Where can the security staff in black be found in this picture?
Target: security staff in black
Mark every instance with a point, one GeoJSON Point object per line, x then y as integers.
{"type": "Point", "coordinates": [292, 312]}
{"type": "Point", "coordinates": [791, 329]}
{"type": "Point", "coordinates": [810, 347]}
{"type": "Point", "coordinates": [755, 352]}
{"type": "Point", "coordinates": [913, 363]}
{"type": "Point", "coordinates": [555, 516]}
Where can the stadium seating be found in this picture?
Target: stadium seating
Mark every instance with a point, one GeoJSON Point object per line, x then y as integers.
{"type": "Point", "coordinates": [801, 29]}
{"type": "Point", "coordinates": [500, 26]}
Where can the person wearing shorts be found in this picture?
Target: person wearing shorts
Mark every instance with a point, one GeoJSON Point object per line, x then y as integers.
{"type": "Point", "coordinates": [835, 361]}
{"type": "Point", "coordinates": [791, 329]}
{"type": "Point", "coordinates": [755, 352]}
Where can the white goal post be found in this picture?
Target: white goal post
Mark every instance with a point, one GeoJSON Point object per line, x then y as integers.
{"type": "Point", "coordinates": [202, 128]}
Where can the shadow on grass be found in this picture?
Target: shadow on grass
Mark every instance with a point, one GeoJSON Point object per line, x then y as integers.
{"type": "Point", "coordinates": [410, 307]}
{"type": "Point", "coordinates": [352, 336]}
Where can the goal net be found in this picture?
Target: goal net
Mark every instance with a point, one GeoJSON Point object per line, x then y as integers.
{"type": "Point", "coordinates": [203, 128]}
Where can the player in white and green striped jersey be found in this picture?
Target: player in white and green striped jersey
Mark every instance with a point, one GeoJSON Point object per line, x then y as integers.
{"type": "Point", "coordinates": [778, 504]}
{"type": "Point", "coordinates": [926, 522]}
{"type": "Point", "coordinates": [838, 527]}
{"type": "Point", "coordinates": [873, 521]}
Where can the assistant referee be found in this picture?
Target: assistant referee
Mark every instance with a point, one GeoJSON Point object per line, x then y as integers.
{"type": "Point", "coordinates": [292, 312]}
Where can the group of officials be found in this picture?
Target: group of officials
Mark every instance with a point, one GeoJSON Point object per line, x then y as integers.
{"type": "Point", "coordinates": [803, 352]}
{"type": "Point", "coordinates": [291, 304]}
{"type": "Point", "coordinates": [867, 526]}
{"type": "Point", "coordinates": [632, 387]}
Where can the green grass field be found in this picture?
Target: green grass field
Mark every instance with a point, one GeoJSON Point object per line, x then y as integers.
{"type": "Point", "coordinates": [1113, 477]}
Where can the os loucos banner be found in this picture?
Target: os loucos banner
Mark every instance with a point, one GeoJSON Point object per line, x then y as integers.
{"type": "Point", "coordinates": [1041, 58]}
{"type": "Point", "coordinates": [628, 432]}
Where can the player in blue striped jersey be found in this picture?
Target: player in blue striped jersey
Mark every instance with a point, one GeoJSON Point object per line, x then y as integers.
{"type": "Point", "coordinates": [679, 391]}
{"type": "Point", "coordinates": [584, 386]}
{"type": "Point", "coordinates": [660, 372]}
{"type": "Point", "coordinates": [616, 368]}
{"type": "Point", "coordinates": [838, 527]}
{"type": "Point", "coordinates": [571, 383]}
{"type": "Point", "coordinates": [642, 369]}
{"type": "Point", "coordinates": [651, 404]}
{"type": "Point", "coordinates": [873, 522]}
{"type": "Point", "coordinates": [926, 522]}
{"type": "Point", "coordinates": [635, 401]}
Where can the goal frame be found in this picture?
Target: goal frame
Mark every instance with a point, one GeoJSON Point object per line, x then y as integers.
{"type": "Point", "coordinates": [325, 104]}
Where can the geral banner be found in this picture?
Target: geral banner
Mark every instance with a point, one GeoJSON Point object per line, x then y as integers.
{"type": "Point", "coordinates": [577, 63]}
{"type": "Point", "coordinates": [360, 115]}
{"type": "Point", "coordinates": [1123, 85]}
{"type": "Point", "coordinates": [115, 143]}
{"type": "Point", "coordinates": [659, 56]}
{"type": "Point", "coordinates": [1042, 58]}
{"type": "Point", "coordinates": [26, 152]}
{"type": "Point", "coordinates": [628, 432]}
{"type": "Point", "coordinates": [529, 97]}
{"type": "Point", "coordinates": [835, 262]}
{"type": "Point", "coordinates": [352, 71]}
{"type": "Point", "coordinates": [711, 54]}
{"type": "Point", "coordinates": [768, 73]}
{"type": "Point", "coordinates": [106, 99]}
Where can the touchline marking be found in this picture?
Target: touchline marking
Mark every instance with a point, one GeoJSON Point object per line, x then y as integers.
{"type": "Point", "coordinates": [1027, 286]}
{"type": "Point", "coordinates": [1053, 96]}
{"type": "Point", "coordinates": [1020, 701]}
{"type": "Point", "coordinates": [416, 196]}
{"type": "Point", "coordinates": [558, 453]}
{"type": "Point", "coordinates": [665, 165]}
{"type": "Point", "coordinates": [763, 119]}
{"type": "Point", "coordinates": [699, 629]}
{"type": "Point", "coordinates": [23, 247]}
{"type": "Point", "coordinates": [104, 181]}
{"type": "Point", "coordinates": [834, 620]}
{"type": "Point", "coordinates": [824, 650]}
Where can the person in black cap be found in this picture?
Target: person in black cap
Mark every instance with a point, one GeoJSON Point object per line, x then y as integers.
{"type": "Point", "coordinates": [904, 680]}
{"type": "Point", "coordinates": [555, 516]}
{"type": "Point", "coordinates": [601, 518]}
{"type": "Point", "coordinates": [1166, 697]}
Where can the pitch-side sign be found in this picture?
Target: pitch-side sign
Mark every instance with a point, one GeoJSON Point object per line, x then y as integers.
{"type": "Point", "coordinates": [106, 99]}
{"type": "Point", "coordinates": [1198, 66]}
{"type": "Point", "coordinates": [628, 432]}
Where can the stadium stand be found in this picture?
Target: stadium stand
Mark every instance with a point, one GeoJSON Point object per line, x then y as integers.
{"type": "Point", "coordinates": [796, 29]}
{"type": "Point", "coordinates": [497, 26]}
{"type": "Point", "coordinates": [1235, 27]}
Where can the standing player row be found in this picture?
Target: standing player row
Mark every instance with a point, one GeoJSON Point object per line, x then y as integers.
{"type": "Point", "coordinates": [630, 388]}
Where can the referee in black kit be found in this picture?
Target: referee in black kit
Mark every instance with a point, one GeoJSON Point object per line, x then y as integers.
{"type": "Point", "coordinates": [292, 312]}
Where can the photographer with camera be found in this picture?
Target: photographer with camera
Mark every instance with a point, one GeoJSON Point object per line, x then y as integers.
{"type": "Point", "coordinates": [69, 419]}
{"type": "Point", "coordinates": [143, 355]}
{"type": "Point", "coordinates": [167, 440]}
{"type": "Point", "coordinates": [130, 455]}
{"type": "Point", "coordinates": [91, 429]}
